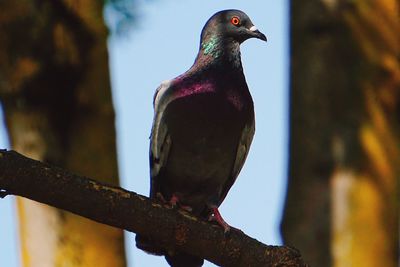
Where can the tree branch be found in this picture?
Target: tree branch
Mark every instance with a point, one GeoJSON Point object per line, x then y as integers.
{"type": "Point", "coordinates": [173, 229]}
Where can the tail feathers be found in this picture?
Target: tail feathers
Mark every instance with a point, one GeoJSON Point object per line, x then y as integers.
{"type": "Point", "coordinates": [177, 260]}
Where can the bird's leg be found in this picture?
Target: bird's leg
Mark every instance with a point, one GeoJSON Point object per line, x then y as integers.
{"type": "Point", "coordinates": [216, 216]}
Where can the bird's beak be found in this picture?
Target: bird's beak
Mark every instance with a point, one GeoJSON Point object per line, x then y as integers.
{"type": "Point", "coordinates": [254, 32]}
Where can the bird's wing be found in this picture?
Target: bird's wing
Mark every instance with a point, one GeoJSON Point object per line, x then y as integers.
{"type": "Point", "coordinates": [241, 155]}
{"type": "Point", "coordinates": [160, 141]}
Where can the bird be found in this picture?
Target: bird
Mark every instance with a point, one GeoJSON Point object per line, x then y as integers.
{"type": "Point", "coordinates": [202, 129]}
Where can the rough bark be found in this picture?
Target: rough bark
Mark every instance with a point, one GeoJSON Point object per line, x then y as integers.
{"type": "Point", "coordinates": [344, 133]}
{"type": "Point", "coordinates": [55, 92]}
{"type": "Point", "coordinates": [176, 230]}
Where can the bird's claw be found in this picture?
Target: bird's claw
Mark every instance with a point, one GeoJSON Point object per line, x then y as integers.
{"type": "Point", "coordinates": [174, 202]}
{"type": "Point", "coordinates": [216, 216]}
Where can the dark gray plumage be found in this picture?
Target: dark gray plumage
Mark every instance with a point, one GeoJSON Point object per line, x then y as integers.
{"type": "Point", "coordinates": [203, 127]}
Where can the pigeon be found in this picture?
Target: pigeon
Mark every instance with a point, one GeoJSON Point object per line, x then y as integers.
{"type": "Point", "coordinates": [202, 129]}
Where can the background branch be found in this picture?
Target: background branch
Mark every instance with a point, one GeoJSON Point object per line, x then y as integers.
{"type": "Point", "coordinates": [120, 208]}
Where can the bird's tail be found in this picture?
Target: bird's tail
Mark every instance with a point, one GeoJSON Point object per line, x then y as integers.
{"type": "Point", "coordinates": [178, 259]}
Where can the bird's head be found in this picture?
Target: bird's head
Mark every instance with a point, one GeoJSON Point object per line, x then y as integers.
{"type": "Point", "coordinates": [221, 38]}
{"type": "Point", "coordinates": [231, 25]}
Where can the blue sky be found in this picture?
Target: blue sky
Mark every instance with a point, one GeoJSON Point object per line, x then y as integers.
{"type": "Point", "coordinates": [162, 45]}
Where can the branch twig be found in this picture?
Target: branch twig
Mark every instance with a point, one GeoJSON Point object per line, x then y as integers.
{"type": "Point", "coordinates": [117, 207]}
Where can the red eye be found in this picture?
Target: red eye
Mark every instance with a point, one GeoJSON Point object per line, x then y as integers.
{"type": "Point", "coordinates": [235, 21]}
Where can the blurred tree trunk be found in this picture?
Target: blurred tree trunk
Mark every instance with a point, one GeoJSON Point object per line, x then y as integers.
{"type": "Point", "coordinates": [55, 92]}
{"type": "Point", "coordinates": [342, 203]}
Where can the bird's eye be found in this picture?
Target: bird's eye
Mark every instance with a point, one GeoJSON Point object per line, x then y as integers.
{"type": "Point", "coordinates": [235, 20]}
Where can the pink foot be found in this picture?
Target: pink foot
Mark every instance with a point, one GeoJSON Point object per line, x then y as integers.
{"type": "Point", "coordinates": [174, 202]}
{"type": "Point", "coordinates": [216, 216]}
